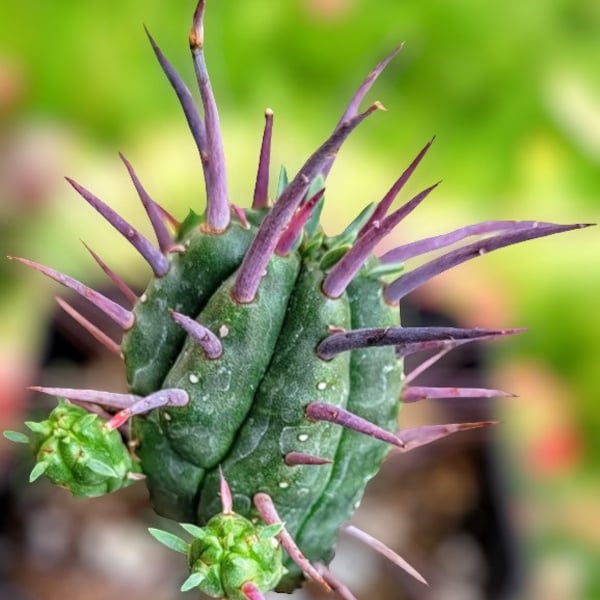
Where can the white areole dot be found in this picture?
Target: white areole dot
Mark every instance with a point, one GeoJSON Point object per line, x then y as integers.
{"type": "Point", "coordinates": [322, 385]}
{"type": "Point", "coordinates": [303, 437]}
{"type": "Point", "coordinates": [223, 331]}
{"type": "Point", "coordinates": [194, 378]}
{"type": "Point", "coordinates": [284, 485]}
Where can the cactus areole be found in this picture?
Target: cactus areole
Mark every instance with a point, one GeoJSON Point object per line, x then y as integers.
{"type": "Point", "coordinates": [264, 361]}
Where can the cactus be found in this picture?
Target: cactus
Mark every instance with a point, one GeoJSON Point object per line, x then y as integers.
{"type": "Point", "coordinates": [264, 361]}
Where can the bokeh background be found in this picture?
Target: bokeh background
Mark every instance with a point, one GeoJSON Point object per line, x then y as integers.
{"type": "Point", "coordinates": [512, 91]}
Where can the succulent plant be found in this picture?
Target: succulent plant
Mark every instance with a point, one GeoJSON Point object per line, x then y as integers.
{"type": "Point", "coordinates": [264, 356]}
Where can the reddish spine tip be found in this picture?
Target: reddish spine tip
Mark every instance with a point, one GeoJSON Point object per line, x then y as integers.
{"type": "Point", "coordinates": [226, 498]}
{"type": "Point", "coordinates": [251, 591]}
{"type": "Point", "coordinates": [290, 235]}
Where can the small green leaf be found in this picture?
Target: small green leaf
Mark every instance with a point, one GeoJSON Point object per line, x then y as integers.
{"type": "Point", "coordinates": [194, 530]}
{"type": "Point", "coordinates": [16, 436]}
{"type": "Point", "coordinates": [194, 580]}
{"type": "Point", "coordinates": [169, 540]}
{"type": "Point", "coordinates": [270, 531]}
{"type": "Point", "coordinates": [190, 222]}
{"type": "Point", "coordinates": [36, 427]}
{"type": "Point", "coordinates": [333, 256]}
{"type": "Point", "coordinates": [382, 270]}
{"type": "Point", "coordinates": [101, 468]}
{"type": "Point", "coordinates": [38, 471]}
{"type": "Point", "coordinates": [283, 181]}
{"type": "Point", "coordinates": [315, 219]}
{"type": "Point", "coordinates": [348, 236]}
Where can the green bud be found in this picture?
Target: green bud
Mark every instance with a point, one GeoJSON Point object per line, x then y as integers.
{"type": "Point", "coordinates": [76, 450]}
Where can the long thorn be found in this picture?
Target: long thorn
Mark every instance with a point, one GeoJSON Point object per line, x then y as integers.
{"type": "Point", "coordinates": [217, 197]}
{"type": "Point", "coordinates": [158, 263]}
{"type": "Point", "coordinates": [320, 411]}
{"type": "Point", "coordinates": [384, 550]}
{"type": "Point", "coordinates": [414, 279]}
{"type": "Point", "coordinates": [110, 399]}
{"type": "Point", "coordinates": [94, 331]}
{"type": "Point", "coordinates": [413, 337]}
{"type": "Point", "coordinates": [383, 206]}
{"type": "Point", "coordinates": [343, 272]}
{"type": "Point", "coordinates": [124, 318]}
{"type": "Point", "coordinates": [415, 393]}
{"type": "Point", "coordinates": [163, 237]}
{"type": "Point", "coordinates": [119, 283]}
{"type": "Point", "coordinates": [426, 364]}
{"type": "Point", "coordinates": [426, 434]}
{"type": "Point", "coordinates": [356, 100]}
{"type": "Point", "coordinates": [206, 339]}
{"type": "Point", "coordinates": [268, 512]}
{"type": "Point", "coordinates": [447, 344]}
{"type": "Point", "coordinates": [165, 397]}
{"type": "Point", "coordinates": [195, 122]}
{"type": "Point", "coordinates": [255, 261]}
{"type": "Point", "coordinates": [261, 189]}
{"type": "Point", "coordinates": [436, 242]}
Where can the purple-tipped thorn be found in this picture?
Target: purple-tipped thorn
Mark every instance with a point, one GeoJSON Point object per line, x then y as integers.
{"type": "Point", "coordinates": [447, 344]}
{"type": "Point", "coordinates": [415, 393]}
{"type": "Point", "coordinates": [336, 585]}
{"type": "Point", "coordinates": [356, 100]}
{"type": "Point", "coordinates": [226, 498]}
{"type": "Point", "coordinates": [123, 318]}
{"type": "Point", "coordinates": [294, 228]}
{"type": "Point", "coordinates": [383, 206]}
{"type": "Point", "coordinates": [295, 459]}
{"type": "Point", "coordinates": [206, 339]}
{"type": "Point", "coordinates": [413, 337]}
{"type": "Point", "coordinates": [414, 279]}
{"type": "Point", "coordinates": [96, 333]}
{"type": "Point", "coordinates": [163, 237]}
{"type": "Point", "coordinates": [217, 197]}
{"type": "Point", "coordinates": [119, 283]}
{"type": "Point", "coordinates": [266, 509]}
{"type": "Point", "coordinates": [255, 261]}
{"type": "Point", "coordinates": [437, 242]}
{"type": "Point", "coordinates": [426, 434]}
{"type": "Point", "coordinates": [343, 272]}
{"type": "Point", "coordinates": [195, 122]}
{"type": "Point", "coordinates": [261, 189]}
{"type": "Point", "coordinates": [251, 591]}
{"type": "Point", "coordinates": [320, 411]}
{"type": "Point", "coordinates": [384, 550]}
{"type": "Point", "coordinates": [165, 397]}
{"type": "Point", "coordinates": [238, 211]}
{"type": "Point", "coordinates": [158, 263]}
{"type": "Point", "coordinates": [110, 399]}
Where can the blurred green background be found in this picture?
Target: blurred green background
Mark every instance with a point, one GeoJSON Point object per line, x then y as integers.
{"type": "Point", "coordinates": [512, 91]}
